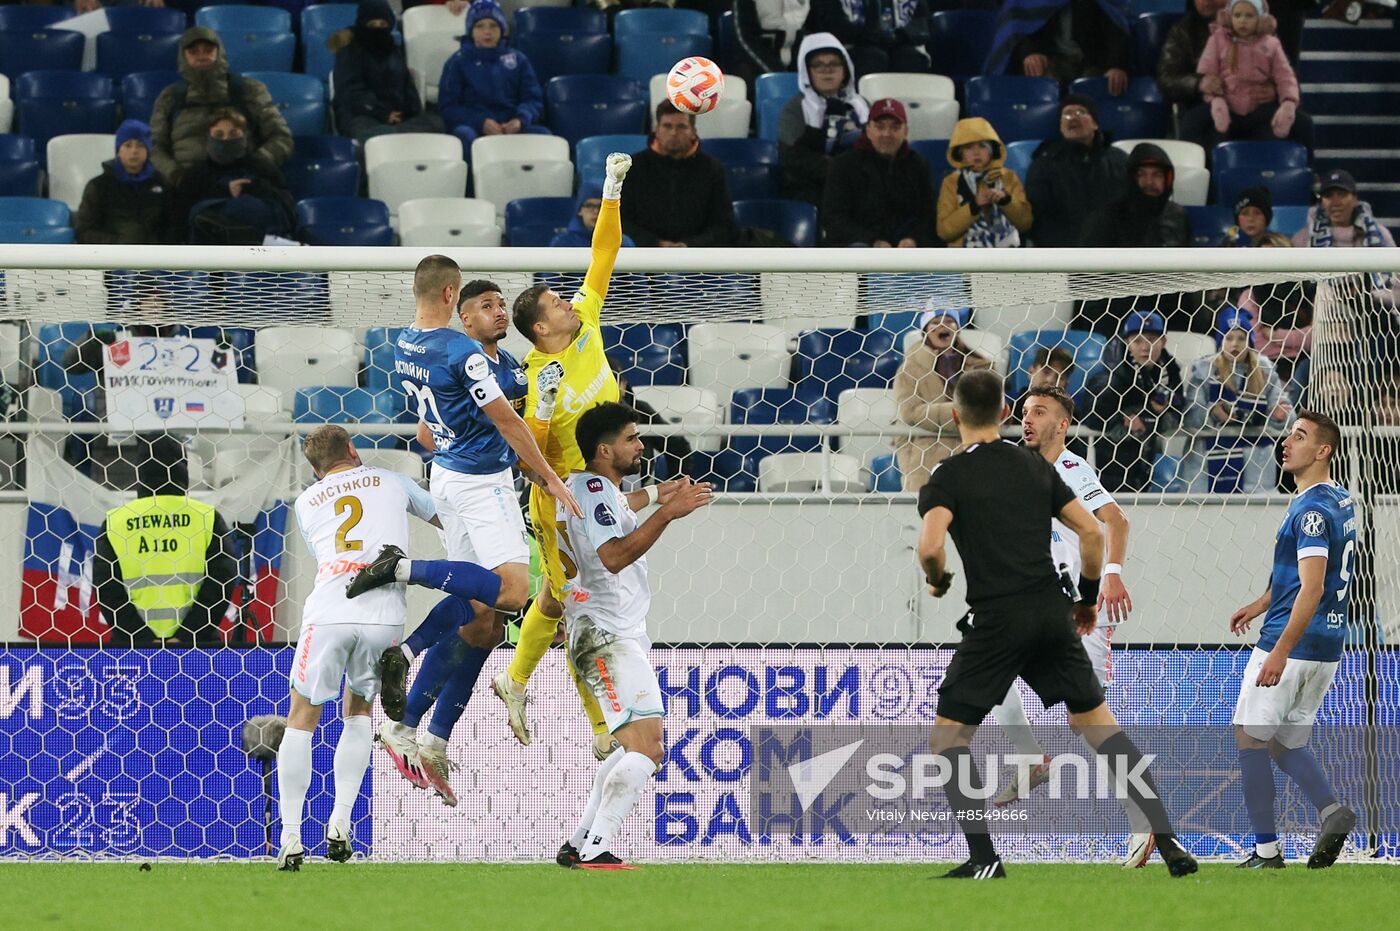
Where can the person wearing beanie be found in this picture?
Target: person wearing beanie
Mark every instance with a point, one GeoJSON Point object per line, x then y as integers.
{"type": "Point", "coordinates": [1254, 211]}
{"type": "Point", "coordinates": [127, 203]}
{"type": "Point", "coordinates": [1145, 215]}
{"type": "Point", "coordinates": [487, 87]}
{"type": "Point", "coordinates": [375, 94]}
{"type": "Point", "coordinates": [1063, 40]}
{"type": "Point", "coordinates": [880, 193]}
{"type": "Point", "coordinates": [181, 115]}
{"type": "Point", "coordinates": [822, 120]}
{"type": "Point", "coordinates": [1070, 174]}
{"type": "Point", "coordinates": [981, 203]}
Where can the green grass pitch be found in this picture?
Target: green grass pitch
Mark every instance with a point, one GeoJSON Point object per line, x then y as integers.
{"type": "Point", "coordinates": [213, 896]}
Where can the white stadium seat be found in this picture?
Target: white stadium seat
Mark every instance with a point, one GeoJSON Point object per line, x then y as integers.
{"type": "Point", "coordinates": [510, 167]}
{"type": "Point", "coordinates": [228, 455]}
{"type": "Point", "coordinates": [989, 345]}
{"type": "Point", "coordinates": [687, 405]}
{"type": "Point", "coordinates": [448, 221]}
{"type": "Point", "coordinates": [75, 160]}
{"type": "Point", "coordinates": [727, 356]}
{"type": "Point", "coordinates": [292, 357]}
{"type": "Point", "coordinates": [395, 460]}
{"type": "Point", "coordinates": [867, 407]}
{"type": "Point", "coordinates": [11, 357]}
{"type": "Point", "coordinates": [427, 53]}
{"type": "Point", "coordinates": [396, 182]}
{"type": "Point", "coordinates": [44, 404]}
{"type": "Point", "coordinates": [728, 120]}
{"type": "Point", "coordinates": [735, 88]}
{"type": "Point", "coordinates": [432, 19]}
{"type": "Point", "coordinates": [7, 106]}
{"type": "Point", "coordinates": [905, 87]}
{"type": "Point", "coordinates": [1182, 154]}
{"type": "Point", "coordinates": [840, 291]}
{"type": "Point", "coordinates": [1192, 187]}
{"type": "Point", "coordinates": [411, 147]}
{"type": "Point", "coordinates": [802, 472]}
{"type": "Point", "coordinates": [932, 119]}
{"type": "Point", "coordinates": [1186, 348]}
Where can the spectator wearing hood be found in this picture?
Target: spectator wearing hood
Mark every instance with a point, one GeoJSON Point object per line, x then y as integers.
{"type": "Point", "coordinates": [767, 33]}
{"type": "Point", "coordinates": [580, 230]}
{"type": "Point", "coordinates": [127, 203]}
{"type": "Point", "coordinates": [232, 197]}
{"type": "Point", "coordinates": [881, 35]}
{"type": "Point", "coordinates": [1136, 402]}
{"type": "Point", "coordinates": [375, 94]}
{"type": "Point", "coordinates": [487, 87]}
{"type": "Point", "coordinates": [1069, 175]}
{"type": "Point", "coordinates": [1254, 211]}
{"type": "Point", "coordinates": [879, 193]}
{"type": "Point", "coordinates": [1064, 40]}
{"type": "Point", "coordinates": [822, 120]}
{"type": "Point", "coordinates": [677, 196]}
{"type": "Point", "coordinates": [1144, 216]}
{"type": "Point", "coordinates": [981, 204]}
{"type": "Point", "coordinates": [181, 115]}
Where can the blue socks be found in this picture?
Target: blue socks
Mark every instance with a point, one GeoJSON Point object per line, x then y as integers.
{"type": "Point", "coordinates": [1257, 770]}
{"type": "Point", "coordinates": [450, 667]}
{"type": "Point", "coordinates": [447, 615]}
{"type": "Point", "coordinates": [458, 691]}
{"type": "Point", "coordinates": [438, 664]}
{"type": "Point", "coordinates": [466, 580]}
{"type": "Point", "coordinates": [1302, 767]}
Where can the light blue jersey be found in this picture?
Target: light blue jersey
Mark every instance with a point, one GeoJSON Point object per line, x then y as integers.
{"type": "Point", "coordinates": [449, 378]}
{"type": "Point", "coordinates": [1321, 521]}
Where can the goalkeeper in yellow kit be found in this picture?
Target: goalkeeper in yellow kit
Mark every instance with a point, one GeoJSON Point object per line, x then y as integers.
{"type": "Point", "coordinates": [567, 374]}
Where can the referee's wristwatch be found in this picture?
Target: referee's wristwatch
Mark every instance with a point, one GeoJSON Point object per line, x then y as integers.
{"type": "Point", "coordinates": [1089, 591]}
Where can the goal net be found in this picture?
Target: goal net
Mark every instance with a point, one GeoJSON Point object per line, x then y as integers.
{"type": "Point", "coordinates": [812, 388]}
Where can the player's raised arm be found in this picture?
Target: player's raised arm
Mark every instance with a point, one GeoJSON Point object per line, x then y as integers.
{"type": "Point", "coordinates": [521, 439]}
{"type": "Point", "coordinates": [607, 233]}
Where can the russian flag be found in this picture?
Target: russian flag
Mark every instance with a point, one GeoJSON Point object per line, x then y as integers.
{"type": "Point", "coordinates": [194, 407]}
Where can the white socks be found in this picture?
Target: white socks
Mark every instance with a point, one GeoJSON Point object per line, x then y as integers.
{"type": "Point", "coordinates": [594, 798]}
{"type": "Point", "coordinates": [351, 760]}
{"type": "Point", "coordinates": [1268, 849]}
{"type": "Point", "coordinates": [293, 781]}
{"type": "Point", "coordinates": [1011, 715]}
{"type": "Point", "coordinates": [401, 570]}
{"type": "Point", "coordinates": [620, 792]}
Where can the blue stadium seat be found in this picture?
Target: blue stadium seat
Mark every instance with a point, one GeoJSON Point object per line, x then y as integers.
{"type": "Point", "coordinates": [750, 164]}
{"type": "Point", "coordinates": [1289, 219]}
{"type": "Point", "coordinates": [582, 105]}
{"type": "Point", "coordinates": [534, 221]}
{"type": "Point", "coordinates": [39, 49]}
{"type": "Point", "coordinates": [575, 20]}
{"type": "Point", "coordinates": [1149, 35]}
{"type": "Point", "coordinates": [1010, 88]}
{"type": "Point", "coordinates": [140, 90]}
{"type": "Point", "coordinates": [1208, 225]}
{"type": "Point", "coordinates": [122, 53]}
{"type": "Point", "coordinates": [239, 341]}
{"type": "Point", "coordinates": [258, 51]}
{"type": "Point", "coordinates": [19, 169]}
{"type": "Point", "coordinates": [312, 176]}
{"type": "Point", "coordinates": [379, 358]}
{"type": "Point", "coordinates": [235, 18]}
{"type": "Point", "coordinates": [960, 40]}
{"type": "Point", "coordinates": [16, 148]}
{"type": "Point", "coordinates": [725, 470]}
{"type": "Point", "coordinates": [1292, 186]}
{"type": "Point", "coordinates": [935, 152]}
{"type": "Point", "coordinates": [776, 406]}
{"type": "Point", "coordinates": [332, 404]}
{"type": "Point", "coordinates": [591, 153]}
{"type": "Point", "coordinates": [26, 18]}
{"type": "Point", "coordinates": [884, 474]}
{"type": "Point", "coordinates": [828, 361]}
{"type": "Point", "coordinates": [1134, 119]}
{"type": "Point", "coordinates": [1142, 89]}
{"type": "Point", "coordinates": [344, 221]}
{"type": "Point", "coordinates": [1088, 349]}
{"type": "Point", "coordinates": [326, 147]}
{"type": "Point", "coordinates": [1019, 154]}
{"type": "Point", "coordinates": [895, 321]}
{"type": "Point", "coordinates": [793, 220]}
{"type": "Point", "coordinates": [12, 232]}
{"type": "Point", "coordinates": [318, 23]}
{"type": "Point", "coordinates": [769, 109]}
{"type": "Point", "coordinates": [57, 103]}
{"type": "Point", "coordinates": [275, 293]}
{"type": "Point", "coordinates": [780, 85]}
{"type": "Point", "coordinates": [648, 353]}
{"type": "Point", "coordinates": [673, 22]}
{"type": "Point", "coordinates": [1271, 154]}
{"type": "Point", "coordinates": [300, 97]}
{"type": "Point", "coordinates": [643, 54]}
{"type": "Point", "coordinates": [1017, 121]}
{"type": "Point", "coordinates": [556, 53]}
{"type": "Point", "coordinates": [145, 19]}
{"type": "Point", "coordinates": [54, 340]}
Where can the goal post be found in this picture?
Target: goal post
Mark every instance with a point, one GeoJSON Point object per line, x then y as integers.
{"type": "Point", "coordinates": [793, 600]}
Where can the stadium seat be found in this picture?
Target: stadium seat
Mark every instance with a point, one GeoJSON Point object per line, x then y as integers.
{"type": "Point", "coordinates": [1019, 155]}
{"type": "Point", "coordinates": [326, 147]}
{"type": "Point", "coordinates": [73, 161]}
{"type": "Point", "coordinates": [1133, 118]}
{"type": "Point", "coordinates": [19, 169]}
{"type": "Point", "coordinates": [648, 353]}
{"type": "Point", "coordinates": [643, 54]}
{"type": "Point", "coordinates": [1289, 186]}
{"type": "Point", "coordinates": [339, 404]}
{"type": "Point", "coordinates": [726, 42]}
{"type": "Point", "coordinates": [751, 166]}
{"type": "Point", "coordinates": [866, 408]}
{"type": "Point", "coordinates": [1192, 187]}
{"type": "Point", "coordinates": [448, 221]}
{"type": "Point", "coordinates": [776, 406]}
{"type": "Point", "coordinates": [237, 340]}
{"type": "Point", "coordinates": [735, 89]}
{"type": "Point", "coordinates": [574, 20]}
{"type": "Point", "coordinates": [1183, 154]}
{"type": "Point", "coordinates": [1186, 348]}
{"type": "Point", "coordinates": [293, 357]}
{"type": "Point", "coordinates": [431, 19]}
{"type": "Point", "coordinates": [258, 51]}
{"type": "Point", "coordinates": [793, 221]}
{"type": "Point", "coordinates": [884, 475]}
{"type": "Point", "coordinates": [145, 19]}
{"type": "Point", "coordinates": [981, 341]}
{"type": "Point", "coordinates": [1140, 90]}
{"type": "Point", "coordinates": [725, 471]}
{"type": "Point", "coordinates": [935, 152]}
{"type": "Point", "coordinates": [300, 97]}
{"type": "Point", "coordinates": [828, 361]}
{"type": "Point", "coordinates": [1010, 88]}
{"type": "Point", "coordinates": [591, 153]}
{"type": "Point", "coordinates": [120, 53]}
{"type": "Point", "coordinates": [318, 23]}
{"type": "Point", "coordinates": [27, 18]}
{"type": "Point", "coordinates": [56, 103]}
{"type": "Point", "coordinates": [54, 340]}
{"type": "Point", "coordinates": [534, 221]}
{"type": "Point", "coordinates": [671, 22]}
{"type": "Point", "coordinates": [229, 455]}
{"type": "Point", "coordinates": [556, 53]}
{"type": "Point", "coordinates": [407, 165]}
{"type": "Point", "coordinates": [344, 221]}
{"type": "Point", "coordinates": [39, 49]}
{"type": "Point", "coordinates": [411, 147]}
{"type": "Point", "coordinates": [928, 98]}
{"type": "Point", "coordinates": [960, 40]}
{"type": "Point", "coordinates": [1227, 156]}
{"type": "Point", "coordinates": [769, 112]}
{"type": "Point", "coordinates": [403, 461]}
{"type": "Point", "coordinates": [1208, 225]}
{"type": "Point", "coordinates": [227, 19]}
{"type": "Point", "coordinates": [505, 168]}
{"type": "Point", "coordinates": [806, 473]}
{"type": "Point", "coordinates": [1149, 33]}
{"type": "Point", "coordinates": [7, 106]}
{"type": "Point", "coordinates": [312, 175]}
{"type": "Point", "coordinates": [1289, 219]}
{"type": "Point", "coordinates": [1088, 349]}
{"type": "Point", "coordinates": [12, 232]}
{"type": "Point", "coordinates": [140, 90]}
{"type": "Point", "coordinates": [725, 357]}
{"type": "Point", "coordinates": [686, 406]}
{"type": "Point", "coordinates": [428, 53]}
{"type": "Point", "coordinates": [379, 357]}
{"type": "Point", "coordinates": [582, 105]}
{"type": "Point", "coordinates": [1016, 121]}
{"type": "Point", "coordinates": [776, 85]}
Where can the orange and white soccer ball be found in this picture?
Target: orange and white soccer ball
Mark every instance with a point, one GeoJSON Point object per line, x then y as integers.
{"type": "Point", "coordinates": [695, 85]}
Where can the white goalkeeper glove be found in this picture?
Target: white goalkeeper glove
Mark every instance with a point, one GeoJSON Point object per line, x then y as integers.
{"type": "Point", "coordinates": [547, 390]}
{"type": "Point", "coordinates": [617, 166]}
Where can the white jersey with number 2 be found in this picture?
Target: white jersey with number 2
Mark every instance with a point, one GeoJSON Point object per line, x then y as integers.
{"type": "Point", "coordinates": [1082, 480]}
{"type": "Point", "coordinates": [345, 519]}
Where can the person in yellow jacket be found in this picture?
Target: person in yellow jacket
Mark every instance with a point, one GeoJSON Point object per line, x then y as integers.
{"type": "Point", "coordinates": [981, 203]}
{"type": "Point", "coordinates": [162, 567]}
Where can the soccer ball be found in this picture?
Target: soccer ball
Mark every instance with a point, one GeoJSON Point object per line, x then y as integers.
{"type": "Point", "coordinates": [694, 85]}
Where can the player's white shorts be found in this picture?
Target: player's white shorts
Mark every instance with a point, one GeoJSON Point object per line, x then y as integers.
{"type": "Point", "coordinates": [618, 671]}
{"type": "Point", "coordinates": [1284, 712]}
{"type": "Point", "coordinates": [481, 520]}
{"type": "Point", "coordinates": [1099, 646]}
{"type": "Point", "coordinates": [325, 652]}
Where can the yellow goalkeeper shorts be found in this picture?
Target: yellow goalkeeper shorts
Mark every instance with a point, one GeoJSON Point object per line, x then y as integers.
{"type": "Point", "coordinates": [545, 523]}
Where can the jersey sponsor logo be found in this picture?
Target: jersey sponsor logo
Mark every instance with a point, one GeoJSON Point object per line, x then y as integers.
{"type": "Point", "coordinates": [519, 376]}
{"type": "Point", "coordinates": [1313, 524]}
{"type": "Point", "coordinates": [583, 340]}
{"type": "Point", "coordinates": [1093, 494]}
{"type": "Point", "coordinates": [595, 485]}
{"type": "Point", "coordinates": [1069, 463]}
{"type": "Point", "coordinates": [577, 298]}
{"type": "Point", "coordinates": [477, 367]}
{"type": "Point", "coordinates": [603, 515]}
{"type": "Point", "coordinates": [576, 402]}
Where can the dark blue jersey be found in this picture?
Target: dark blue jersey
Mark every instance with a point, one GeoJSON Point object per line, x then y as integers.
{"type": "Point", "coordinates": [1321, 522]}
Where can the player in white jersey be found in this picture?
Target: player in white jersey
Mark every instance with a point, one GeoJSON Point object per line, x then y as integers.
{"type": "Point", "coordinates": [1045, 421]}
{"type": "Point", "coordinates": [349, 513]}
{"type": "Point", "coordinates": [605, 615]}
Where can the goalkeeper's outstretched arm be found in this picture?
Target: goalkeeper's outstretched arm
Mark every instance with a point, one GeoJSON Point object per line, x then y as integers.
{"type": "Point", "coordinates": [607, 234]}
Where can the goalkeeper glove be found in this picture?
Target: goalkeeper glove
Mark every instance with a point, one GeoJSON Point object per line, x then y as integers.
{"type": "Point", "coordinates": [547, 390]}
{"type": "Point", "coordinates": [617, 166]}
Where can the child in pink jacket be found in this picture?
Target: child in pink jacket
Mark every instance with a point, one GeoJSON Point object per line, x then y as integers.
{"type": "Point", "coordinates": [1247, 80]}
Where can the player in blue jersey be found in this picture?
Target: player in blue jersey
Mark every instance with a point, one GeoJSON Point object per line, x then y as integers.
{"type": "Point", "coordinates": [1300, 644]}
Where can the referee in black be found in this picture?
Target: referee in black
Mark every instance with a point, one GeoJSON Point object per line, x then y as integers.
{"type": "Point", "coordinates": [995, 499]}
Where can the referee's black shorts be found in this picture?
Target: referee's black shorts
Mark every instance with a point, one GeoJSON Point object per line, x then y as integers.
{"type": "Point", "coordinates": [1034, 640]}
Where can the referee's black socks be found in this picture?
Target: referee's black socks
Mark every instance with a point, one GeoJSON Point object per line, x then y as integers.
{"type": "Point", "coordinates": [1123, 757]}
{"type": "Point", "coordinates": [964, 791]}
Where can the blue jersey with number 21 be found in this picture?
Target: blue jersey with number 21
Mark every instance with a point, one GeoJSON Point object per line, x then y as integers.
{"type": "Point", "coordinates": [1321, 521]}
{"type": "Point", "coordinates": [449, 378]}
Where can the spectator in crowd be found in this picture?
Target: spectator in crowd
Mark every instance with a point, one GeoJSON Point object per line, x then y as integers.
{"type": "Point", "coordinates": [375, 94]}
{"type": "Point", "coordinates": [881, 35]}
{"type": "Point", "coordinates": [879, 193]}
{"type": "Point", "coordinates": [822, 120]}
{"type": "Point", "coordinates": [163, 565]}
{"type": "Point", "coordinates": [488, 88]}
{"type": "Point", "coordinates": [1237, 392]}
{"type": "Point", "coordinates": [1069, 175]}
{"type": "Point", "coordinates": [1341, 219]}
{"type": "Point", "coordinates": [1064, 40]}
{"type": "Point", "coordinates": [1135, 403]}
{"type": "Point", "coordinates": [232, 197]}
{"type": "Point", "coordinates": [1257, 97]}
{"type": "Point", "coordinates": [1254, 211]}
{"type": "Point", "coordinates": [580, 229]}
{"type": "Point", "coordinates": [981, 204]}
{"type": "Point", "coordinates": [923, 391]}
{"type": "Point", "coordinates": [1144, 216]}
{"type": "Point", "coordinates": [126, 204]}
{"type": "Point", "coordinates": [664, 457]}
{"type": "Point", "coordinates": [181, 115]}
{"type": "Point", "coordinates": [1051, 368]}
{"type": "Point", "coordinates": [767, 33]}
{"type": "Point", "coordinates": [677, 196]}
{"type": "Point", "coordinates": [1177, 77]}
